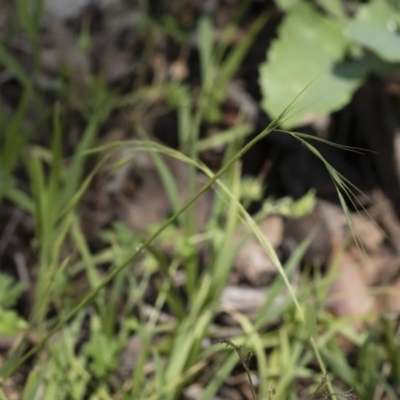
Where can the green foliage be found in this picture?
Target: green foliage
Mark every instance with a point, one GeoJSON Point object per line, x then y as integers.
{"type": "Point", "coordinates": [13, 139]}
{"type": "Point", "coordinates": [376, 27]}
{"type": "Point", "coordinates": [10, 322]}
{"type": "Point", "coordinates": [14, 67]}
{"type": "Point", "coordinates": [312, 51]}
{"type": "Point", "coordinates": [288, 207]}
{"type": "Point", "coordinates": [91, 329]}
{"type": "Point", "coordinates": [308, 47]}
{"type": "Point", "coordinates": [10, 290]}
{"type": "Point", "coordinates": [103, 352]}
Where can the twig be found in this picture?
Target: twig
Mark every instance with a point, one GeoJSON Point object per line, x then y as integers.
{"type": "Point", "coordinates": [245, 360]}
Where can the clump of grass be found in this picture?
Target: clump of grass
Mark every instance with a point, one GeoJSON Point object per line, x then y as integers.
{"type": "Point", "coordinates": [174, 348]}
{"type": "Point", "coordinates": [321, 392]}
{"type": "Point", "coordinates": [203, 298]}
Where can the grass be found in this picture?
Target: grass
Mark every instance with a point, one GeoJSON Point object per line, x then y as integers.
{"type": "Point", "coordinates": [74, 342]}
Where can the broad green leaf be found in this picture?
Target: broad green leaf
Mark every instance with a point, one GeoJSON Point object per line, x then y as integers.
{"type": "Point", "coordinates": [307, 49]}
{"type": "Point", "coordinates": [11, 323]}
{"type": "Point", "coordinates": [376, 26]}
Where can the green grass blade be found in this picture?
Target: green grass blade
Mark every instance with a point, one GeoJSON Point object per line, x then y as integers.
{"type": "Point", "coordinates": [14, 67]}
{"type": "Point", "coordinates": [76, 168]}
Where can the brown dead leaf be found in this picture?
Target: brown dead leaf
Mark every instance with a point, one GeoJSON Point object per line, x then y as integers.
{"type": "Point", "coordinates": [384, 213]}
{"type": "Point", "coordinates": [378, 268]}
{"type": "Point", "coordinates": [252, 260]}
{"type": "Point", "coordinates": [297, 229]}
{"type": "Point", "coordinates": [389, 299]}
{"type": "Point", "coordinates": [349, 295]}
{"type": "Point", "coordinates": [150, 203]}
{"type": "Point", "coordinates": [368, 232]}
{"type": "Point", "coordinates": [130, 356]}
{"type": "Point", "coordinates": [243, 299]}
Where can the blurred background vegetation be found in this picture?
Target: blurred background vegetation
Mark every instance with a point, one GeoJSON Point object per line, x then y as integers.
{"type": "Point", "coordinates": [199, 199]}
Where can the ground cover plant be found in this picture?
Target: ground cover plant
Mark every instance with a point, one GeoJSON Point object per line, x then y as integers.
{"type": "Point", "coordinates": [119, 254]}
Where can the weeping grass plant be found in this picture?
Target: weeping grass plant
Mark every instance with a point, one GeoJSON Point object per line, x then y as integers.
{"type": "Point", "coordinates": [179, 349]}
{"type": "Point", "coordinates": [185, 349]}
